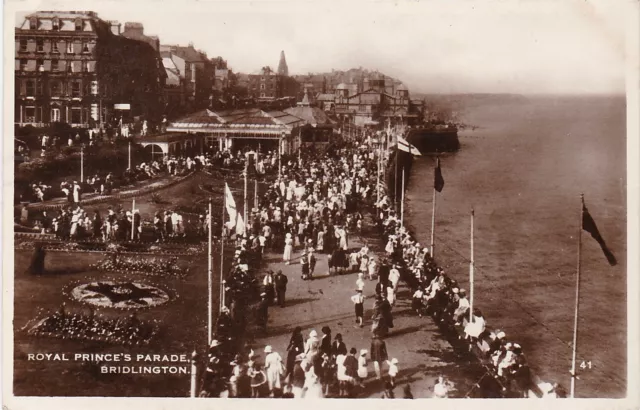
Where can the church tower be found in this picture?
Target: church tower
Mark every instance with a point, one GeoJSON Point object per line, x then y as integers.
{"type": "Point", "coordinates": [282, 66]}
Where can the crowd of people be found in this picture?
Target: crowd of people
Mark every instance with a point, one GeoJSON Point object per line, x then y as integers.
{"type": "Point", "coordinates": [312, 208]}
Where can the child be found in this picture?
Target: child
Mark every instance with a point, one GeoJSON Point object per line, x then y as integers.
{"type": "Point", "coordinates": [358, 301]}
{"type": "Point", "coordinates": [360, 282]}
{"type": "Point", "coordinates": [393, 371]}
{"type": "Point", "coordinates": [416, 302]}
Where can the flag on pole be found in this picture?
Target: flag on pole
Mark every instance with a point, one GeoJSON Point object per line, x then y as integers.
{"type": "Point", "coordinates": [405, 146]}
{"type": "Point", "coordinates": [438, 182]}
{"type": "Point", "coordinates": [589, 225]}
{"type": "Point", "coordinates": [240, 228]}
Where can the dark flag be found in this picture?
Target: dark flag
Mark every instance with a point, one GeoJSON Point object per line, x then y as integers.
{"type": "Point", "coordinates": [589, 225]}
{"type": "Point", "coordinates": [438, 183]}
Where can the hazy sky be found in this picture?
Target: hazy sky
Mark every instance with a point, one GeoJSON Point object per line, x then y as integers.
{"type": "Point", "coordinates": [561, 46]}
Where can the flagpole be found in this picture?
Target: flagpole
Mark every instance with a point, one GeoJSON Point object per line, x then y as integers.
{"type": "Point", "coordinates": [246, 171]}
{"type": "Point", "coordinates": [255, 193]}
{"type": "Point", "coordinates": [129, 155]}
{"type": "Point", "coordinates": [222, 282]}
{"type": "Point", "coordinates": [210, 278]}
{"type": "Point", "coordinates": [433, 222]}
{"type": "Point", "coordinates": [575, 319]}
{"type": "Point", "coordinates": [471, 272]}
{"type": "Point", "coordinates": [395, 182]}
{"type": "Point", "coordinates": [402, 201]}
{"type": "Point", "coordinates": [81, 165]}
{"type": "Point", "coordinates": [378, 176]}
{"type": "Point", "coordinates": [133, 225]}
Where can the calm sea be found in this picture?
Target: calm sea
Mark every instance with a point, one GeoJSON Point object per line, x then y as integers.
{"type": "Point", "coordinates": [523, 170]}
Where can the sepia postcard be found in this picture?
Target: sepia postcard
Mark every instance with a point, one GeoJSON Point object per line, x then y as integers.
{"type": "Point", "coordinates": [320, 200]}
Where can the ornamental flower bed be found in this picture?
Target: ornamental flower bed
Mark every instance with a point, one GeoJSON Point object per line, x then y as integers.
{"type": "Point", "coordinates": [115, 261]}
{"type": "Point", "coordinates": [126, 331]}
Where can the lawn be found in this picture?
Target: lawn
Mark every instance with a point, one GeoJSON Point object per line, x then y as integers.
{"type": "Point", "coordinates": [183, 319]}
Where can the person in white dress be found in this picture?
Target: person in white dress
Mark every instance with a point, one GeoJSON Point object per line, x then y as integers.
{"type": "Point", "coordinates": [288, 248]}
{"type": "Point", "coordinates": [476, 327]}
{"type": "Point", "coordinates": [312, 385]}
{"type": "Point", "coordinates": [441, 390]}
{"type": "Point", "coordinates": [76, 192]}
{"type": "Point", "coordinates": [363, 372]}
{"type": "Point", "coordinates": [360, 282]}
{"type": "Point", "coordinates": [273, 367]}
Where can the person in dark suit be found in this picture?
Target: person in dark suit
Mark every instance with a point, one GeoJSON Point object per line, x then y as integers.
{"type": "Point", "coordinates": [325, 343]}
{"type": "Point", "coordinates": [281, 287]}
{"type": "Point", "coordinates": [338, 347]}
{"type": "Point", "coordinates": [378, 354]}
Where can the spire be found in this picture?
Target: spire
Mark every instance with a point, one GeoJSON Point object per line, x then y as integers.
{"type": "Point", "coordinates": [282, 66]}
{"type": "Point", "coordinates": [305, 100]}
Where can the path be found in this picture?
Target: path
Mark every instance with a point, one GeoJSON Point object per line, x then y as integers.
{"type": "Point", "coordinates": [421, 350]}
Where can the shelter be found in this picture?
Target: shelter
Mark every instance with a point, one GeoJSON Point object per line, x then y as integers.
{"type": "Point", "coordinates": [243, 127]}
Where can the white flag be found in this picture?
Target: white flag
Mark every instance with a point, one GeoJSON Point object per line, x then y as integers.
{"type": "Point", "coordinates": [240, 226]}
{"type": "Point", "coordinates": [231, 206]}
{"type": "Point", "coordinates": [405, 146]}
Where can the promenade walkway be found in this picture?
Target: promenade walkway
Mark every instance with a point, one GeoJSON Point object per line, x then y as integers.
{"type": "Point", "coordinates": [421, 350]}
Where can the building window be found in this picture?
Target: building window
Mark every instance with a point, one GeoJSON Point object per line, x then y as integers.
{"type": "Point", "coordinates": [262, 95]}
{"type": "Point", "coordinates": [75, 89]}
{"type": "Point", "coordinates": [29, 114]}
{"type": "Point", "coordinates": [78, 24]}
{"type": "Point", "coordinates": [40, 65]}
{"type": "Point", "coordinates": [55, 115]}
{"type": "Point", "coordinates": [69, 47]}
{"type": "Point", "coordinates": [76, 117]}
{"type": "Point", "coordinates": [33, 24]}
{"type": "Point", "coordinates": [55, 65]}
{"type": "Point", "coordinates": [39, 45]}
{"type": "Point", "coordinates": [70, 67]}
{"type": "Point", "coordinates": [55, 24]}
{"type": "Point", "coordinates": [85, 67]}
{"type": "Point", "coordinates": [23, 64]}
{"type": "Point", "coordinates": [85, 47]}
{"type": "Point", "coordinates": [39, 88]}
{"type": "Point", "coordinates": [23, 44]}
{"type": "Point", "coordinates": [31, 89]}
{"type": "Point", "coordinates": [55, 88]}
{"type": "Point", "coordinates": [54, 46]}
{"type": "Point", "coordinates": [94, 87]}
{"type": "Point", "coordinates": [262, 86]}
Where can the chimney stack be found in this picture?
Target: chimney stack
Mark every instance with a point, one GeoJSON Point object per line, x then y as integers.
{"type": "Point", "coordinates": [115, 27]}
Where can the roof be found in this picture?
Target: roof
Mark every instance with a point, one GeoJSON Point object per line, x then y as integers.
{"type": "Point", "coordinates": [168, 137]}
{"type": "Point", "coordinates": [251, 118]}
{"type": "Point", "coordinates": [326, 97]}
{"type": "Point", "coordinates": [64, 14]}
{"type": "Point", "coordinates": [189, 53]}
{"type": "Point", "coordinates": [172, 77]}
{"type": "Point", "coordinates": [311, 115]}
{"type": "Point", "coordinates": [342, 86]}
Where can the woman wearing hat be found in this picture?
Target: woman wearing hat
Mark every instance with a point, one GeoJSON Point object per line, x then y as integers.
{"type": "Point", "coordinates": [312, 346]}
{"type": "Point", "coordinates": [295, 348]}
{"type": "Point", "coordinates": [273, 366]}
{"type": "Point", "coordinates": [288, 248]}
{"type": "Point", "coordinates": [363, 372]}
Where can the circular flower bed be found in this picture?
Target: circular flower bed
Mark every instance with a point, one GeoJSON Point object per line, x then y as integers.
{"type": "Point", "coordinates": [120, 295]}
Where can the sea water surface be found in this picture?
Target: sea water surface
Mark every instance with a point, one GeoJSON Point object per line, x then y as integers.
{"type": "Point", "coordinates": [522, 171]}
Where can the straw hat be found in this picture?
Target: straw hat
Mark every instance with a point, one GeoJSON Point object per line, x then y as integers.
{"type": "Point", "coordinates": [268, 349]}
{"type": "Point", "coordinates": [363, 352]}
{"type": "Point", "coordinates": [394, 361]}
